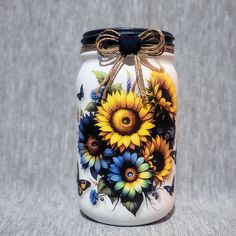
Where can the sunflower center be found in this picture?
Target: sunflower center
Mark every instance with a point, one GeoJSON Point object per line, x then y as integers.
{"type": "Point", "coordinates": [158, 161]}
{"type": "Point", "coordinates": [125, 121]}
{"type": "Point", "coordinates": [130, 174]}
{"type": "Point", "coordinates": [93, 145]}
{"type": "Point", "coordinates": [166, 94]}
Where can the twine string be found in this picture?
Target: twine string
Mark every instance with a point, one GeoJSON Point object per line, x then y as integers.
{"type": "Point", "coordinates": [111, 44]}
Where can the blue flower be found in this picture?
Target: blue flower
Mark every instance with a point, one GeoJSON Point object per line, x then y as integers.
{"type": "Point", "coordinates": [92, 149]}
{"type": "Point", "coordinates": [93, 196]}
{"type": "Point", "coordinates": [130, 174]}
{"type": "Point", "coordinates": [96, 96]}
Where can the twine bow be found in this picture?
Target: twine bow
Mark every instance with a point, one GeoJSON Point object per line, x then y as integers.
{"type": "Point", "coordinates": [111, 44]}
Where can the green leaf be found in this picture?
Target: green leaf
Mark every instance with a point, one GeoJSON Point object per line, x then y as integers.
{"type": "Point", "coordinates": [103, 188]}
{"type": "Point", "coordinates": [91, 107]}
{"type": "Point", "coordinates": [134, 204]}
{"type": "Point", "coordinates": [113, 198]}
{"type": "Point", "coordinates": [101, 185]}
{"type": "Point", "coordinates": [81, 112]}
{"type": "Point", "coordinates": [116, 87]}
{"type": "Point", "coordinates": [100, 75]}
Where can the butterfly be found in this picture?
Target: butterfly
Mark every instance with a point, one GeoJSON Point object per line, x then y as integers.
{"type": "Point", "coordinates": [83, 185]}
{"type": "Point", "coordinates": [81, 93]}
{"type": "Point", "coordinates": [170, 189]}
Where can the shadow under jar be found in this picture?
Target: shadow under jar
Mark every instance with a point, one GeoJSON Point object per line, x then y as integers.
{"type": "Point", "coordinates": [127, 104]}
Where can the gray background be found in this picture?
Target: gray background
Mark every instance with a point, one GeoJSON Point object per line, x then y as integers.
{"type": "Point", "coordinates": [39, 61]}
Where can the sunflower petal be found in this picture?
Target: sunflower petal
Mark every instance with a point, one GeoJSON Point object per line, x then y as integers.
{"type": "Point", "coordinates": [130, 100]}
{"type": "Point", "coordinates": [123, 100]}
{"type": "Point", "coordinates": [147, 125]}
{"type": "Point", "coordinates": [135, 139]}
{"type": "Point", "coordinates": [122, 148]}
{"type": "Point", "coordinates": [102, 124]}
{"type": "Point", "coordinates": [111, 102]}
{"type": "Point", "coordinates": [115, 138]}
{"type": "Point", "coordinates": [143, 132]}
{"type": "Point", "coordinates": [126, 140]}
{"type": "Point", "coordinates": [143, 112]}
{"type": "Point", "coordinates": [101, 118]}
{"type": "Point", "coordinates": [106, 129]}
{"type": "Point", "coordinates": [164, 172]}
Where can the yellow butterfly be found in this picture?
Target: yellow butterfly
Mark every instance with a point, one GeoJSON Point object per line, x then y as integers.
{"type": "Point", "coordinates": [83, 185]}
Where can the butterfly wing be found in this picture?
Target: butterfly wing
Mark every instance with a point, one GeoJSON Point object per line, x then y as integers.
{"type": "Point", "coordinates": [170, 189]}
{"type": "Point", "coordinates": [81, 92]}
{"type": "Point", "coordinates": [83, 185]}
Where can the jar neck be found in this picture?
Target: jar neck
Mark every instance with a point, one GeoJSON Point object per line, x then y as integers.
{"type": "Point", "coordinates": [166, 56]}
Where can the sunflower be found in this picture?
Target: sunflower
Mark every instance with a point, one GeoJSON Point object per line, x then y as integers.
{"type": "Point", "coordinates": [91, 149]}
{"type": "Point", "coordinates": [163, 91]}
{"type": "Point", "coordinates": [124, 121]}
{"type": "Point", "coordinates": [157, 154]}
{"type": "Point", "coordinates": [130, 174]}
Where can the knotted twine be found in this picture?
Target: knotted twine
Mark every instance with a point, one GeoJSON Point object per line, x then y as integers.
{"type": "Point", "coordinates": [111, 44]}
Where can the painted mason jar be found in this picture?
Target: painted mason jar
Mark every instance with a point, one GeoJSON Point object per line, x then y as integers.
{"type": "Point", "coordinates": [127, 105]}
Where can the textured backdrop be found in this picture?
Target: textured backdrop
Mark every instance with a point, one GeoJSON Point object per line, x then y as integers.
{"type": "Point", "coordinates": [39, 61]}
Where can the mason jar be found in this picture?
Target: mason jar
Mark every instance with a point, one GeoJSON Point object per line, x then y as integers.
{"type": "Point", "coordinates": [127, 105]}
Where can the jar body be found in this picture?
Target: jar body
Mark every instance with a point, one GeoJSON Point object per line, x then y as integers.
{"type": "Point", "coordinates": [126, 147]}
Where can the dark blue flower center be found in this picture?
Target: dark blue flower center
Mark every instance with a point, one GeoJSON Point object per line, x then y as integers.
{"type": "Point", "coordinates": [94, 143]}
{"type": "Point", "coordinates": [158, 161]}
{"type": "Point", "coordinates": [129, 174]}
{"type": "Point", "coordinates": [93, 146]}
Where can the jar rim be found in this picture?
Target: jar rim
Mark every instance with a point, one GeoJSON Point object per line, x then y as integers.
{"type": "Point", "coordinates": [89, 37]}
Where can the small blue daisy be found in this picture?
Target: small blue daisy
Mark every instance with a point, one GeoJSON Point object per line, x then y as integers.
{"type": "Point", "coordinates": [92, 149]}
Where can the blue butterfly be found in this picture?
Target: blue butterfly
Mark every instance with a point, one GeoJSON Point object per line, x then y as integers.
{"type": "Point", "coordinates": [170, 189]}
{"type": "Point", "coordinates": [81, 93]}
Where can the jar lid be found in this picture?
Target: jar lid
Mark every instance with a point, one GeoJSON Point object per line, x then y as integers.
{"type": "Point", "coordinates": [90, 36]}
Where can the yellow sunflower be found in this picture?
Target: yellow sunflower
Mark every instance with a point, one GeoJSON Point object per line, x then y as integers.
{"type": "Point", "coordinates": [124, 121]}
{"type": "Point", "coordinates": [163, 91]}
{"type": "Point", "coordinates": [157, 155]}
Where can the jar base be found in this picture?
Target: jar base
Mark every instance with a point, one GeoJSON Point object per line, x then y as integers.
{"type": "Point", "coordinates": [156, 221]}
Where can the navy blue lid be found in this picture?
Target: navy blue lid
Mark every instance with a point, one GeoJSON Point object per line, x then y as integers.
{"type": "Point", "coordinates": [90, 36]}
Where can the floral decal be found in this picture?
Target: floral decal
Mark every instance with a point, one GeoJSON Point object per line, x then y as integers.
{"type": "Point", "coordinates": [128, 145]}
{"type": "Point", "coordinates": [123, 120]}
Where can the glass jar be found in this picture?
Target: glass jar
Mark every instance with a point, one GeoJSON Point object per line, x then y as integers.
{"type": "Point", "coordinates": [127, 105]}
